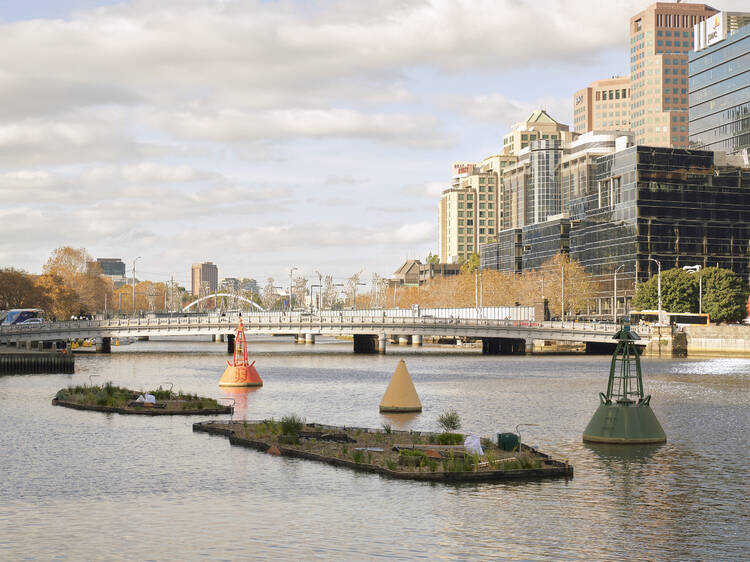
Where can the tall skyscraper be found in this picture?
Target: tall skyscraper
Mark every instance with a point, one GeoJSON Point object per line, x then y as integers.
{"type": "Point", "coordinates": [603, 105]}
{"type": "Point", "coordinates": [204, 275]}
{"type": "Point", "coordinates": [661, 36]}
{"type": "Point", "coordinates": [719, 71]}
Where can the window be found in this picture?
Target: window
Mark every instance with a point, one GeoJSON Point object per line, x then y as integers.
{"type": "Point", "coordinates": [598, 96]}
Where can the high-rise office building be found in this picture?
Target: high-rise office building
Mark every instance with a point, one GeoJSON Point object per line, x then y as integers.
{"type": "Point", "coordinates": [719, 71]}
{"type": "Point", "coordinates": [661, 36]}
{"type": "Point", "coordinates": [603, 105]}
{"type": "Point", "coordinates": [204, 276]}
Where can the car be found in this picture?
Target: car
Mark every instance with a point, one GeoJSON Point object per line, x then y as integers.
{"type": "Point", "coordinates": [31, 321]}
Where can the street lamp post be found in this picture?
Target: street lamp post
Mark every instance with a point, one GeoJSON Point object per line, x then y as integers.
{"type": "Point", "coordinates": [614, 308]}
{"type": "Point", "coordinates": [135, 260]}
{"type": "Point", "coordinates": [291, 271]}
{"type": "Point", "coordinates": [320, 289]}
{"type": "Point", "coordinates": [562, 290]}
{"type": "Point", "coordinates": [658, 283]}
{"type": "Point", "coordinates": [354, 298]}
{"type": "Point", "coordinates": [696, 269]}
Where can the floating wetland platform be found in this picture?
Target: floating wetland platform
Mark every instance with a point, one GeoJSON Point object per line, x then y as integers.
{"type": "Point", "coordinates": [116, 400]}
{"type": "Point", "coordinates": [433, 457]}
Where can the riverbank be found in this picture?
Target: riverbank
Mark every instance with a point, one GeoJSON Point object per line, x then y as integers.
{"type": "Point", "coordinates": [405, 455]}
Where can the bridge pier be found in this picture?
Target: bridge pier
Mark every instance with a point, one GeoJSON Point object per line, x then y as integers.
{"type": "Point", "coordinates": [503, 346]}
{"type": "Point", "coordinates": [309, 338]}
{"type": "Point", "coordinates": [104, 345]}
{"type": "Point", "coordinates": [230, 343]}
{"type": "Point", "coordinates": [404, 340]}
{"type": "Point", "coordinates": [365, 343]}
{"type": "Point", "coordinates": [416, 340]}
{"type": "Point", "coordinates": [382, 342]}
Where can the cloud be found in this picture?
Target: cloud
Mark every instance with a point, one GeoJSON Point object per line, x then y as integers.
{"type": "Point", "coordinates": [240, 126]}
{"type": "Point", "coordinates": [432, 189]}
{"type": "Point", "coordinates": [497, 108]}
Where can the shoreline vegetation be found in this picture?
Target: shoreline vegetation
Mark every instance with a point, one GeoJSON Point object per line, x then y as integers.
{"type": "Point", "coordinates": [115, 399]}
{"type": "Point", "coordinates": [407, 455]}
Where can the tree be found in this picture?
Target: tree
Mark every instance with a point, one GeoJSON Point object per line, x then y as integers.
{"type": "Point", "coordinates": [76, 269]}
{"type": "Point", "coordinates": [471, 264]}
{"type": "Point", "coordinates": [567, 286]}
{"type": "Point", "coordinates": [269, 296]}
{"type": "Point", "coordinates": [723, 294]}
{"type": "Point", "coordinates": [679, 292]}
{"type": "Point", "coordinates": [18, 289]}
{"type": "Point", "coordinates": [299, 290]}
{"type": "Point", "coordinates": [62, 301]}
{"type": "Point", "coordinates": [330, 292]}
{"type": "Point", "coordinates": [432, 258]}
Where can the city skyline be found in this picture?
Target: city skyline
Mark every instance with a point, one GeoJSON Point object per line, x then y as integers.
{"type": "Point", "coordinates": [269, 135]}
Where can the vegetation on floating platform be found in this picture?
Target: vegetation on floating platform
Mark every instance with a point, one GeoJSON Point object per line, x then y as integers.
{"type": "Point", "coordinates": [109, 396]}
{"type": "Point", "coordinates": [399, 454]}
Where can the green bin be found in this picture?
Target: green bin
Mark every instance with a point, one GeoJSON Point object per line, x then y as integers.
{"type": "Point", "coordinates": [507, 441]}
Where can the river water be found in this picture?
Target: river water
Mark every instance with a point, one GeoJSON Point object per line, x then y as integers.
{"type": "Point", "coordinates": [83, 485]}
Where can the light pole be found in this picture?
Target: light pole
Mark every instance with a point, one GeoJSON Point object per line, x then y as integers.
{"type": "Point", "coordinates": [696, 269]}
{"type": "Point", "coordinates": [614, 308]}
{"type": "Point", "coordinates": [354, 298]}
{"type": "Point", "coordinates": [320, 288]}
{"type": "Point", "coordinates": [658, 285]}
{"type": "Point", "coordinates": [291, 271]}
{"type": "Point", "coordinates": [135, 260]}
{"type": "Point", "coordinates": [562, 290]}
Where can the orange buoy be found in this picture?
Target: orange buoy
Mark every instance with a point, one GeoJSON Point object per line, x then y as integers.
{"type": "Point", "coordinates": [240, 373]}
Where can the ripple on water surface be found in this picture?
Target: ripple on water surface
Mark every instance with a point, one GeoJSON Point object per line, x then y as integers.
{"type": "Point", "coordinates": [84, 485]}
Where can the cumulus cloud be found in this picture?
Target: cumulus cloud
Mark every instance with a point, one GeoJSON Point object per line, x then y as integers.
{"type": "Point", "coordinates": [497, 108]}
{"type": "Point", "coordinates": [432, 189]}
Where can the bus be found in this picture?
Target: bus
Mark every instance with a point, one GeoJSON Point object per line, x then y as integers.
{"type": "Point", "coordinates": [19, 315]}
{"type": "Point", "coordinates": [676, 318]}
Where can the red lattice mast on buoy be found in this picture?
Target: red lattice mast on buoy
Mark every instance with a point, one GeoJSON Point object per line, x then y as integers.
{"type": "Point", "coordinates": [240, 373]}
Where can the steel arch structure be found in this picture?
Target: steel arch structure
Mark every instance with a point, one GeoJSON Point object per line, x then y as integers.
{"type": "Point", "coordinates": [256, 305]}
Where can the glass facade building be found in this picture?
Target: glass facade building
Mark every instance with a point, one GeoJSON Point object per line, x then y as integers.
{"type": "Point", "coordinates": [545, 240]}
{"type": "Point", "coordinates": [719, 81]}
{"type": "Point", "coordinates": [504, 255]}
{"type": "Point", "coordinates": [677, 206]}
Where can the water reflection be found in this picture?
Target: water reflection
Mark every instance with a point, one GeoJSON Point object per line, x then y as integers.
{"type": "Point", "coordinates": [241, 396]}
{"type": "Point", "coordinates": [400, 421]}
{"type": "Point", "coordinates": [188, 495]}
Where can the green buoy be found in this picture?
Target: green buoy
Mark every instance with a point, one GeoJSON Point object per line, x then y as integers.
{"type": "Point", "coordinates": [624, 415]}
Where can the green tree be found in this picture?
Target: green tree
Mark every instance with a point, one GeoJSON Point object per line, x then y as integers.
{"type": "Point", "coordinates": [723, 294]}
{"type": "Point", "coordinates": [432, 258]}
{"type": "Point", "coordinates": [470, 265]}
{"type": "Point", "coordinates": [679, 292]}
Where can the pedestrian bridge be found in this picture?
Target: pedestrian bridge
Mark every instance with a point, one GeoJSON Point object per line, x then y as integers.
{"type": "Point", "coordinates": [370, 331]}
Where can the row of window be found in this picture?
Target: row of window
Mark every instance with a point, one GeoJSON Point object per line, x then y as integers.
{"type": "Point", "coordinates": [677, 20]}
{"type": "Point", "coordinates": [660, 43]}
{"type": "Point", "coordinates": [604, 95]}
{"type": "Point", "coordinates": [667, 33]}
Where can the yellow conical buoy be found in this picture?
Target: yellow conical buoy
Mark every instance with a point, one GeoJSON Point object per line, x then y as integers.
{"type": "Point", "coordinates": [400, 396]}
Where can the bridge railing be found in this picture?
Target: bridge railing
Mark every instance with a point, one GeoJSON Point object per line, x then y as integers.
{"type": "Point", "coordinates": [228, 323]}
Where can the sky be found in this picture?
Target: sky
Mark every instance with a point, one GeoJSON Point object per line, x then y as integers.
{"type": "Point", "coordinates": [265, 135]}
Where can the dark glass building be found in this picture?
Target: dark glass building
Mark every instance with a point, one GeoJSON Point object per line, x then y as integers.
{"type": "Point", "coordinates": [504, 255]}
{"type": "Point", "coordinates": [719, 100]}
{"type": "Point", "coordinates": [545, 240]}
{"type": "Point", "coordinates": [680, 207]}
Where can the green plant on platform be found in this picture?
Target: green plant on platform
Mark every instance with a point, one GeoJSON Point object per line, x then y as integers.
{"type": "Point", "coordinates": [292, 424]}
{"type": "Point", "coordinates": [390, 464]}
{"type": "Point", "coordinates": [387, 428]}
{"type": "Point", "coordinates": [450, 421]}
{"type": "Point", "coordinates": [449, 439]}
{"type": "Point", "coordinates": [357, 455]}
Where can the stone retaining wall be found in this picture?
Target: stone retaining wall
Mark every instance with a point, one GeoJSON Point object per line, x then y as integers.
{"type": "Point", "coordinates": [718, 340]}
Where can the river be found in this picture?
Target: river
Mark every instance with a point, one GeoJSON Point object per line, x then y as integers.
{"type": "Point", "coordinates": [83, 485]}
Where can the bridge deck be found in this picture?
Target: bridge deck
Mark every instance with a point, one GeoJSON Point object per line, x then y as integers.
{"type": "Point", "coordinates": [332, 325]}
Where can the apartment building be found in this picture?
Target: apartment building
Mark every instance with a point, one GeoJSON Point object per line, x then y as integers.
{"type": "Point", "coordinates": [661, 37]}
